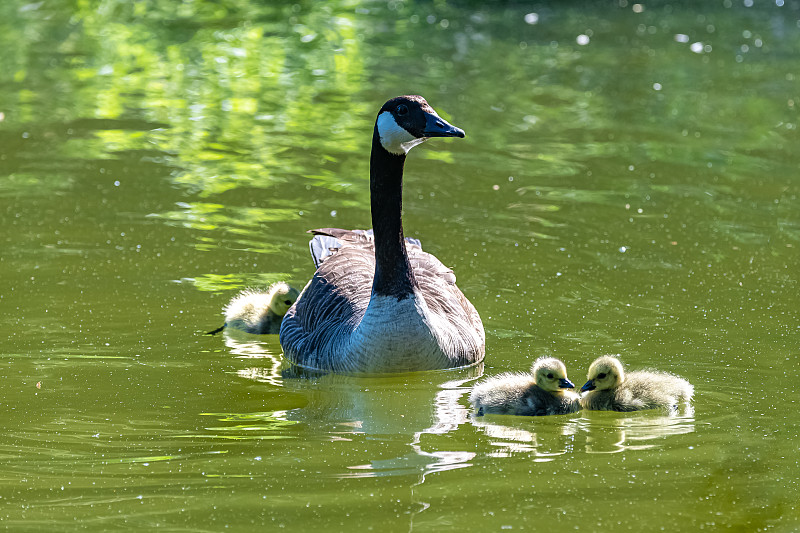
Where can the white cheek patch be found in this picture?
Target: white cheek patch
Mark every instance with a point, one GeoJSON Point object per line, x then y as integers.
{"type": "Point", "coordinates": [394, 138]}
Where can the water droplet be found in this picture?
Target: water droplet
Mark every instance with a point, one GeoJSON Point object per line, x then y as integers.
{"type": "Point", "coordinates": [532, 18]}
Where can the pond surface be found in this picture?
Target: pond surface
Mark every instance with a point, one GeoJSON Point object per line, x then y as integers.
{"type": "Point", "coordinates": [629, 184]}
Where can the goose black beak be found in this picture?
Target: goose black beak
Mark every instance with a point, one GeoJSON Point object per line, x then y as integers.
{"type": "Point", "coordinates": [564, 383]}
{"type": "Point", "coordinates": [589, 385]}
{"type": "Point", "coordinates": [436, 126]}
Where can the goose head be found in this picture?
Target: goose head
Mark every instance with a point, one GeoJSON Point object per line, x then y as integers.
{"type": "Point", "coordinates": [407, 121]}
{"type": "Point", "coordinates": [605, 373]}
{"type": "Point", "coordinates": [281, 298]}
{"type": "Point", "coordinates": [550, 374]}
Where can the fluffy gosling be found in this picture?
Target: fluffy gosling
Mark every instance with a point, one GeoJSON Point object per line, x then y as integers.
{"type": "Point", "coordinates": [542, 392]}
{"type": "Point", "coordinates": [611, 389]}
{"type": "Point", "coordinates": [258, 311]}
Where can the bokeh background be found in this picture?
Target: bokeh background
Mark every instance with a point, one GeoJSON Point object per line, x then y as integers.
{"type": "Point", "coordinates": [628, 184]}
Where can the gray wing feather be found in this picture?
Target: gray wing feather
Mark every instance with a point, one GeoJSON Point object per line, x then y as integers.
{"type": "Point", "coordinates": [330, 307]}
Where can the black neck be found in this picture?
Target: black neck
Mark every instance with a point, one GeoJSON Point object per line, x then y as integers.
{"type": "Point", "coordinates": [393, 276]}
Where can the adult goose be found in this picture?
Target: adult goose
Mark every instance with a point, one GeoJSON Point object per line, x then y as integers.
{"type": "Point", "coordinates": [377, 303]}
{"type": "Point", "coordinates": [610, 388]}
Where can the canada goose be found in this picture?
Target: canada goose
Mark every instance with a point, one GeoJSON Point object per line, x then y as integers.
{"type": "Point", "coordinates": [378, 303]}
{"type": "Point", "coordinates": [610, 389]}
{"type": "Point", "coordinates": [542, 392]}
{"type": "Point", "coordinates": [257, 311]}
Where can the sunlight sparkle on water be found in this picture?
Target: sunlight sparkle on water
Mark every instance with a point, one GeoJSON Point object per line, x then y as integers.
{"type": "Point", "coordinates": [532, 18]}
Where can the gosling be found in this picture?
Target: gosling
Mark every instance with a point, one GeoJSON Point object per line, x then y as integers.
{"type": "Point", "coordinates": [258, 311]}
{"type": "Point", "coordinates": [610, 389]}
{"type": "Point", "coordinates": [542, 392]}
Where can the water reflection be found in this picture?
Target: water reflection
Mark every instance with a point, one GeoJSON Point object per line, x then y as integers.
{"type": "Point", "coordinates": [268, 362]}
{"type": "Point", "coordinates": [545, 438]}
{"type": "Point", "coordinates": [448, 415]}
{"type": "Point", "coordinates": [608, 432]}
{"type": "Point", "coordinates": [341, 407]}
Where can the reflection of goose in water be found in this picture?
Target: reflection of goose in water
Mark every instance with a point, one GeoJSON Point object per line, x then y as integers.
{"type": "Point", "coordinates": [265, 357]}
{"type": "Point", "coordinates": [543, 441]}
{"type": "Point", "coordinates": [448, 415]}
{"type": "Point", "coordinates": [542, 392]}
{"type": "Point", "coordinates": [611, 389]}
{"type": "Point", "coordinates": [608, 432]}
{"type": "Point", "coordinates": [594, 431]}
{"type": "Point", "coordinates": [377, 303]}
{"type": "Point", "coordinates": [391, 413]}
{"type": "Point", "coordinates": [258, 311]}
{"type": "Point", "coordinates": [380, 405]}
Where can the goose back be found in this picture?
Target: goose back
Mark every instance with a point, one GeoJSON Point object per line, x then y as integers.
{"type": "Point", "coordinates": [338, 325]}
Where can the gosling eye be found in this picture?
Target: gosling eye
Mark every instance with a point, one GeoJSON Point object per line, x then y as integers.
{"type": "Point", "coordinates": [287, 302]}
{"type": "Point", "coordinates": [549, 376]}
{"type": "Point", "coordinates": [601, 376]}
{"type": "Point", "coordinates": [402, 110]}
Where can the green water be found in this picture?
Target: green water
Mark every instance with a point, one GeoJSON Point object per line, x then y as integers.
{"type": "Point", "coordinates": [628, 184]}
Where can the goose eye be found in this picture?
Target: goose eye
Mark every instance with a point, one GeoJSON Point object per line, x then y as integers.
{"type": "Point", "coordinates": [402, 110]}
{"type": "Point", "coordinates": [549, 376]}
{"type": "Point", "coordinates": [287, 302]}
{"type": "Point", "coordinates": [601, 376]}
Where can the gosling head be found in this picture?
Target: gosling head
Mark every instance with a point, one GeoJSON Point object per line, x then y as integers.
{"type": "Point", "coordinates": [550, 374]}
{"type": "Point", "coordinates": [407, 121]}
{"type": "Point", "coordinates": [605, 373]}
{"type": "Point", "coordinates": [281, 298]}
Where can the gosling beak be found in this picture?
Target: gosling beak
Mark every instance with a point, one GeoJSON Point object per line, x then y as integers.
{"type": "Point", "coordinates": [589, 385]}
{"type": "Point", "coordinates": [564, 383]}
{"type": "Point", "coordinates": [436, 126]}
